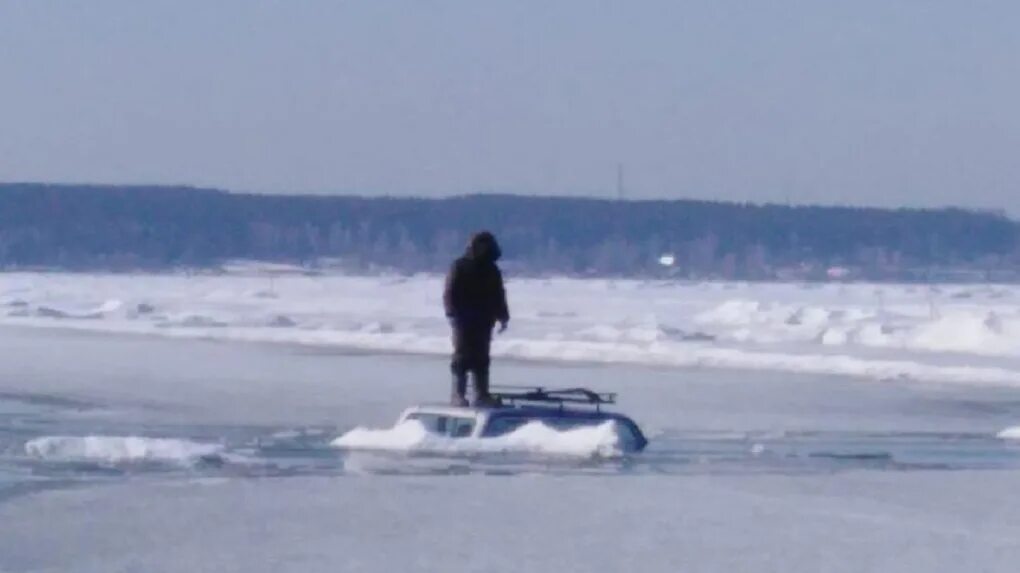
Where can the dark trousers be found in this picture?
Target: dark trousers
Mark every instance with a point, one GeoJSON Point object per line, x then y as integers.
{"type": "Point", "coordinates": [471, 343]}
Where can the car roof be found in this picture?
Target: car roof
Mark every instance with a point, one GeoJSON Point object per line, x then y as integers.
{"type": "Point", "coordinates": [531, 411]}
{"type": "Point", "coordinates": [445, 410]}
{"type": "Point", "coordinates": [527, 411]}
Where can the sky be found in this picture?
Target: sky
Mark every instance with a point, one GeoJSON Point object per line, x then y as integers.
{"type": "Point", "coordinates": [871, 102]}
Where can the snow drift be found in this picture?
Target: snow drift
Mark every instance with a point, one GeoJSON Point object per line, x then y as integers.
{"type": "Point", "coordinates": [119, 449]}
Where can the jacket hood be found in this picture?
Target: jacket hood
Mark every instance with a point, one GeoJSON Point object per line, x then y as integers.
{"type": "Point", "coordinates": [483, 247]}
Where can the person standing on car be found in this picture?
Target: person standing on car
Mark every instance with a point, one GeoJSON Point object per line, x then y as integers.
{"type": "Point", "coordinates": [474, 300]}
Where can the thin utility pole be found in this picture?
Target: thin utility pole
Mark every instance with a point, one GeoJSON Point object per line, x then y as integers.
{"type": "Point", "coordinates": [619, 181]}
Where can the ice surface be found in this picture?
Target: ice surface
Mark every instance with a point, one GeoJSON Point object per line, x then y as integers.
{"type": "Point", "coordinates": [747, 470]}
{"type": "Point", "coordinates": [533, 438]}
{"type": "Point", "coordinates": [967, 334]}
{"type": "Point", "coordinates": [891, 522]}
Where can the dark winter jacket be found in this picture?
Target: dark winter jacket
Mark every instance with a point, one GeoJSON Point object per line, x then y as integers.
{"type": "Point", "coordinates": [474, 292]}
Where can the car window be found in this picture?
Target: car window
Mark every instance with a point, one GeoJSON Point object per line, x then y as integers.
{"type": "Point", "coordinates": [462, 427]}
{"type": "Point", "coordinates": [432, 422]}
{"type": "Point", "coordinates": [628, 439]}
{"type": "Point", "coordinates": [453, 426]}
{"type": "Point", "coordinates": [502, 425]}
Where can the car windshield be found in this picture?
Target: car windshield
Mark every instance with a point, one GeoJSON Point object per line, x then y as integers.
{"type": "Point", "coordinates": [453, 426]}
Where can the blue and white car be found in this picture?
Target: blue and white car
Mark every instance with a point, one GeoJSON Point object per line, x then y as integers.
{"type": "Point", "coordinates": [560, 409]}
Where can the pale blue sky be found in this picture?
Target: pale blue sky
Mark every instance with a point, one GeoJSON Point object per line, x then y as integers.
{"type": "Point", "coordinates": [867, 102]}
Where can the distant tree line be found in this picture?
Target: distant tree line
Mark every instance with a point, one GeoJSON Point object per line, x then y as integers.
{"type": "Point", "coordinates": [106, 227]}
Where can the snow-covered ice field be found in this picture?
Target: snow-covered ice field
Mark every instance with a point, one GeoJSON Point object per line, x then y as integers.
{"type": "Point", "coordinates": [793, 428]}
{"type": "Point", "coordinates": [968, 334]}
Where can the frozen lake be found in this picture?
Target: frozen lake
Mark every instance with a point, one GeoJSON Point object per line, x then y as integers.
{"type": "Point", "coordinates": [148, 453]}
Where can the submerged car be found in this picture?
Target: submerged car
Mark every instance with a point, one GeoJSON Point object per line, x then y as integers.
{"type": "Point", "coordinates": [564, 409]}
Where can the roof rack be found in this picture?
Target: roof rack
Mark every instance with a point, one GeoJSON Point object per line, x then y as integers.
{"type": "Point", "coordinates": [510, 395]}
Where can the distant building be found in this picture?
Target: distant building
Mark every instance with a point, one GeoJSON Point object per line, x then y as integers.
{"type": "Point", "coordinates": [838, 273]}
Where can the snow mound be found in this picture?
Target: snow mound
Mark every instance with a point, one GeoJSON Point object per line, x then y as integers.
{"type": "Point", "coordinates": [1010, 433]}
{"type": "Point", "coordinates": [532, 438]}
{"type": "Point", "coordinates": [193, 321]}
{"type": "Point", "coordinates": [400, 437]}
{"type": "Point", "coordinates": [737, 312]}
{"type": "Point", "coordinates": [119, 449]}
{"type": "Point", "coordinates": [99, 311]}
{"type": "Point", "coordinates": [966, 332]}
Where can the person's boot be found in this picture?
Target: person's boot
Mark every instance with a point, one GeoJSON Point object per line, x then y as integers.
{"type": "Point", "coordinates": [482, 397]}
{"type": "Point", "coordinates": [457, 396]}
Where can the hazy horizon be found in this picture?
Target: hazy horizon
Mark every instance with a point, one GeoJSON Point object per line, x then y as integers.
{"type": "Point", "coordinates": [906, 104]}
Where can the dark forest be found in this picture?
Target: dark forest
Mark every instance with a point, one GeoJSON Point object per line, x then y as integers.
{"type": "Point", "coordinates": [82, 227]}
